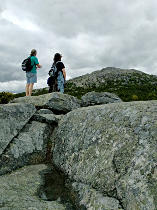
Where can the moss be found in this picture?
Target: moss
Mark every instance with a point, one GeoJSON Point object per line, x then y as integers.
{"type": "Point", "coordinates": [37, 158]}
{"type": "Point", "coordinates": [134, 97]}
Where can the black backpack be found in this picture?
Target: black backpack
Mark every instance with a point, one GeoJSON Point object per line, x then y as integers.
{"type": "Point", "coordinates": [26, 64]}
{"type": "Point", "coordinates": [53, 73]}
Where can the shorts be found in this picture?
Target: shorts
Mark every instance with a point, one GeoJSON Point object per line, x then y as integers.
{"type": "Point", "coordinates": [31, 77]}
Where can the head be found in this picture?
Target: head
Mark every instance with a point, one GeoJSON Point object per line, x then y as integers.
{"type": "Point", "coordinates": [33, 52]}
{"type": "Point", "coordinates": [57, 57]}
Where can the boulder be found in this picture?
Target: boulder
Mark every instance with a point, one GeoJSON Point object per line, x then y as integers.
{"type": "Point", "coordinates": [44, 111]}
{"type": "Point", "coordinates": [112, 148]}
{"type": "Point", "coordinates": [56, 102]}
{"type": "Point", "coordinates": [47, 118]}
{"type": "Point", "coordinates": [92, 199]}
{"type": "Point", "coordinates": [19, 190]}
{"type": "Point", "coordinates": [97, 98]}
{"type": "Point", "coordinates": [13, 117]}
{"type": "Point", "coordinates": [30, 146]}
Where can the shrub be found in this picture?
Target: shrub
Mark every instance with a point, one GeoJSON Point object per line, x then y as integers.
{"type": "Point", "coordinates": [134, 97]}
{"type": "Point", "coordinates": [5, 97]}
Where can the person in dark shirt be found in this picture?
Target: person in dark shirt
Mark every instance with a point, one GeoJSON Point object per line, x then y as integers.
{"type": "Point", "coordinates": [58, 84]}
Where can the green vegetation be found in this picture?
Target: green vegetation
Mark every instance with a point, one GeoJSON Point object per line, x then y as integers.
{"type": "Point", "coordinates": [35, 92]}
{"type": "Point", "coordinates": [130, 91]}
{"type": "Point", "coordinates": [40, 92]}
{"type": "Point", "coordinates": [5, 97]}
{"type": "Point", "coordinates": [131, 87]}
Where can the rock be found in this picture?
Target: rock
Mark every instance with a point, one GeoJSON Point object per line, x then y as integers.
{"type": "Point", "coordinates": [112, 148]}
{"type": "Point", "coordinates": [56, 102]}
{"type": "Point", "coordinates": [47, 118]}
{"type": "Point", "coordinates": [109, 75]}
{"type": "Point", "coordinates": [92, 199]}
{"type": "Point", "coordinates": [29, 147]}
{"type": "Point", "coordinates": [95, 98]}
{"type": "Point", "coordinates": [19, 190]}
{"type": "Point", "coordinates": [44, 111]}
{"type": "Point", "coordinates": [13, 117]}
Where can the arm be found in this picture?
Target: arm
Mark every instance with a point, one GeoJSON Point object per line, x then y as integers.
{"type": "Point", "coordinates": [39, 66]}
{"type": "Point", "coordinates": [64, 73]}
{"type": "Point", "coordinates": [36, 62]}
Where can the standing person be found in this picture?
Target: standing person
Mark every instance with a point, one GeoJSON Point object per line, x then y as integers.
{"type": "Point", "coordinates": [58, 84]}
{"type": "Point", "coordinates": [32, 75]}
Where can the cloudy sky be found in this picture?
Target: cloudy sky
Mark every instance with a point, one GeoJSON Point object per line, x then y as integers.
{"type": "Point", "coordinates": [90, 35]}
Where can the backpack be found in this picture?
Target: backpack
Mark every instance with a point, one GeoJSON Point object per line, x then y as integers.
{"type": "Point", "coordinates": [53, 73]}
{"type": "Point", "coordinates": [26, 64]}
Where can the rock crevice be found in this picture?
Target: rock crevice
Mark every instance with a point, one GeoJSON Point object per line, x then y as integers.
{"type": "Point", "coordinates": [106, 153]}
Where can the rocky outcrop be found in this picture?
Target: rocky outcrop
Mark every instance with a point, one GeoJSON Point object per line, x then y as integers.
{"type": "Point", "coordinates": [98, 78]}
{"type": "Point", "coordinates": [18, 191]}
{"type": "Point", "coordinates": [105, 153]}
{"type": "Point", "coordinates": [112, 148]}
{"type": "Point", "coordinates": [47, 118]}
{"type": "Point", "coordinates": [57, 102]}
{"type": "Point", "coordinates": [29, 147]}
{"type": "Point", "coordinates": [95, 98]}
{"type": "Point", "coordinates": [13, 117]}
{"type": "Point", "coordinates": [92, 199]}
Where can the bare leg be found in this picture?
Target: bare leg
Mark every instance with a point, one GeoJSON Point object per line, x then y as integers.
{"type": "Point", "coordinates": [30, 89]}
{"type": "Point", "coordinates": [27, 89]}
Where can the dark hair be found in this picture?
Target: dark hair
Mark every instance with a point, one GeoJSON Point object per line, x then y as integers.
{"type": "Point", "coordinates": [33, 52]}
{"type": "Point", "coordinates": [57, 57]}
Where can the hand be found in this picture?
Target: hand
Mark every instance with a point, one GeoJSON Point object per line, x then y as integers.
{"type": "Point", "coordinates": [39, 66]}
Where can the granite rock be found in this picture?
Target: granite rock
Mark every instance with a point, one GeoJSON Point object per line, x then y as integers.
{"type": "Point", "coordinates": [30, 146]}
{"type": "Point", "coordinates": [112, 148]}
{"type": "Point", "coordinates": [19, 190]}
{"type": "Point", "coordinates": [56, 102]}
{"type": "Point", "coordinates": [13, 118]}
{"type": "Point", "coordinates": [97, 98]}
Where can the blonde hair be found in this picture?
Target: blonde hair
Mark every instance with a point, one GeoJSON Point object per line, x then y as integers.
{"type": "Point", "coordinates": [33, 52]}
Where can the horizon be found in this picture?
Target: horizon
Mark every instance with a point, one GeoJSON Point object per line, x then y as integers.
{"type": "Point", "coordinates": [114, 68]}
{"type": "Point", "coordinates": [90, 36]}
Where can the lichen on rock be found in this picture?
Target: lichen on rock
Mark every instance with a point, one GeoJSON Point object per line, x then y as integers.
{"type": "Point", "coordinates": [111, 147]}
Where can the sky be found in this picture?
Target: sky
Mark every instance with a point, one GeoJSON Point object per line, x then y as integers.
{"type": "Point", "coordinates": [90, 35]}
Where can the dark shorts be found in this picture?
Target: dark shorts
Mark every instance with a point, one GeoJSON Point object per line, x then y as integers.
{"type": "Point", "coordinates": [31, 77]}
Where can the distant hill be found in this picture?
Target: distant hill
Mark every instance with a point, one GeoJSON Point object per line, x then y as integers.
{"type": "Point", "coordinates": [128, 84]}
{"type": "Point", "coordinates": [100, 77]}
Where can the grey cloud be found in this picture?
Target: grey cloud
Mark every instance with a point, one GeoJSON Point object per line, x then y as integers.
{"type": "Point", "coordinates": [90, 34]}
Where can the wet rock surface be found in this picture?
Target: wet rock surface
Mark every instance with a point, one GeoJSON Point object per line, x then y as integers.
{"type": "Point", "coordinates": [19, 190]}
{"type": "Point", "coordinates": [95, 98]}
{"type": "Point", "coordinates": [74, 196]}
{"type": "Point", "coordinates": [55, 189]}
